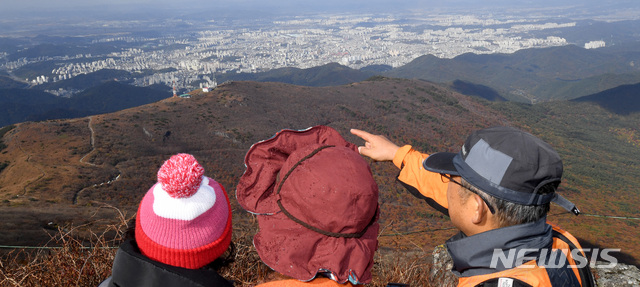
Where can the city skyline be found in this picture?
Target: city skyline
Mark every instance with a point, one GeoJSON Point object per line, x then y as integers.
{"type": "Point", "coordinates": [190, 48]}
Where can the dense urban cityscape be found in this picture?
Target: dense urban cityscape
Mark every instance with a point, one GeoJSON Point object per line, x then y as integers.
{"type": "Point", "coordinates": [182, 59]}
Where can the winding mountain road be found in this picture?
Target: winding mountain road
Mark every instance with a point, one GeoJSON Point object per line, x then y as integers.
{"type": "Point", "coordinates": [93, 142]}
{"type": "Point", "coordinates": [93, 148]}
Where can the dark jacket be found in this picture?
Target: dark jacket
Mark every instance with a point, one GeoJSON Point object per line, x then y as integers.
{"type": "Point", "coordinates": [538, 241]}
{"type": "Point", "coordinates": [131, 268]}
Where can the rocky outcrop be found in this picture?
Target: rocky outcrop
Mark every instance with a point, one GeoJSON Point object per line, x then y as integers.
{"type": "Point", "coordinates": [617, 275]}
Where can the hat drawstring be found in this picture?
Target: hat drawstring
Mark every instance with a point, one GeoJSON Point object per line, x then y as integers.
{"type": "Point", "coordinates": [313, 228]}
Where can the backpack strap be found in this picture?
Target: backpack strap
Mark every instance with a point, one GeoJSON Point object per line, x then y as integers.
{"type": "Point", "coordinates": [586, 277]}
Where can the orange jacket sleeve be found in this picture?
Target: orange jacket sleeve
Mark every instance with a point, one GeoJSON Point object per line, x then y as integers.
{"type": "Point", "coordinates": [419, 181]}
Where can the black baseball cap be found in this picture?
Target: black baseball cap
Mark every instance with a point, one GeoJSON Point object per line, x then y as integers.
{"type": "Point", "coordinates": [506, 163]}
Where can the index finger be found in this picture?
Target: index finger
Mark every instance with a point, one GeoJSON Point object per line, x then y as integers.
{"type": "Point", "coordinates": [362, 134]}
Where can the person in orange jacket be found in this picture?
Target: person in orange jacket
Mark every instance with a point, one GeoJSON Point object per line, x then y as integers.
{"type": "Point", "coordinates": [317, 208]}
{"type": "Point", "coordinates": [497, 191]}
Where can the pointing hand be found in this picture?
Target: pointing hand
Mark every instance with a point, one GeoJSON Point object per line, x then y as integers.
{"type": "Point", "coordinates": [376, 147]}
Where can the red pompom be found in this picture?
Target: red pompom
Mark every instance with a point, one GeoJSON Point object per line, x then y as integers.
{"type": "Point", "coordinates": [181, 175]}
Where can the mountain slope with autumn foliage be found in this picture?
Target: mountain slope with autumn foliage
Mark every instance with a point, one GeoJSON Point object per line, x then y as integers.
{"type": "Point", "coordinates": [63, 172]}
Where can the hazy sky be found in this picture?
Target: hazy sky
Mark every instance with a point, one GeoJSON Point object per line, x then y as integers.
{"type": "Point", "coordinates": [12, 10]}
{"type": "Point", "coordinates": [10, 6]}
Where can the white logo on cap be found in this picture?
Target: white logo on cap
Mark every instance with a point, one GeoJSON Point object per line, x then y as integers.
{"type": "Point", "coordinates": [464, 150]}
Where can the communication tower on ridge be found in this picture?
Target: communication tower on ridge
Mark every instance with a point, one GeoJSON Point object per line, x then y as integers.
{"type": "Point", "coordinates": [175, 94]}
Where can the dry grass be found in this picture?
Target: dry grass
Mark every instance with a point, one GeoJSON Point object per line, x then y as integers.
{"type": "Point", "coordinates": [66, 260]}
{"type": "Point", "coordinates": [71, 261]}
{"type": "Point", "coordinates": [399, 267]}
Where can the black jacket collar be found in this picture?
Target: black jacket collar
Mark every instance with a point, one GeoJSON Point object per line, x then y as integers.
{"type": "Point", "coordinates": [472, 255]}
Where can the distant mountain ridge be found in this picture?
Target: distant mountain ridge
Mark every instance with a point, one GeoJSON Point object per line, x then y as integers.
{"type": "Point", "coordinates": [530, 75]}
{"type": "Point", "coordinates": [623, 99]}
{"type": "Point", "coordinates": [533, 75]}
{"type": "Point", "coordinates": [332, 74]}
{"type": "Point", "coordinates": [19, 105]}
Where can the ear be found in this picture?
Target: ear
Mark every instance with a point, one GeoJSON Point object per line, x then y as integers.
{"type": "Point", "coordinates": [480, 210]}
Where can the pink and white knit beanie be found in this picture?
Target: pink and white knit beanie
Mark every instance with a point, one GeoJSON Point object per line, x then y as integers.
{"type": "Point", "coordinates": [184, 220]}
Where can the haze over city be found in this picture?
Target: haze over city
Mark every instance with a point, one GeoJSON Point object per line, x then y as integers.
{"type": "Point", "coordinates": [186, 43]}
{"type": "Point", "coordinates": [163, 8]}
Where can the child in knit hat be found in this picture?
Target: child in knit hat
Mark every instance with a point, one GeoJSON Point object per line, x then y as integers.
{"type": "Point", "coordinates": [183, 224]}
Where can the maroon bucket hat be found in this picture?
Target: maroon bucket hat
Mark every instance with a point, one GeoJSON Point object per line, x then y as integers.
{"type": "Point", "coordinates": [317, 205]}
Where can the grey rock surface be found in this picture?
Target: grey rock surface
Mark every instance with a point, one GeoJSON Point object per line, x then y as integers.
{"type": "Point", "coordinates": [617, 275]}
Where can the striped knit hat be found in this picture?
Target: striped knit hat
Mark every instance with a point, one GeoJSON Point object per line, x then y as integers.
{"type": "Point", "coordinates": [184, 220]}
